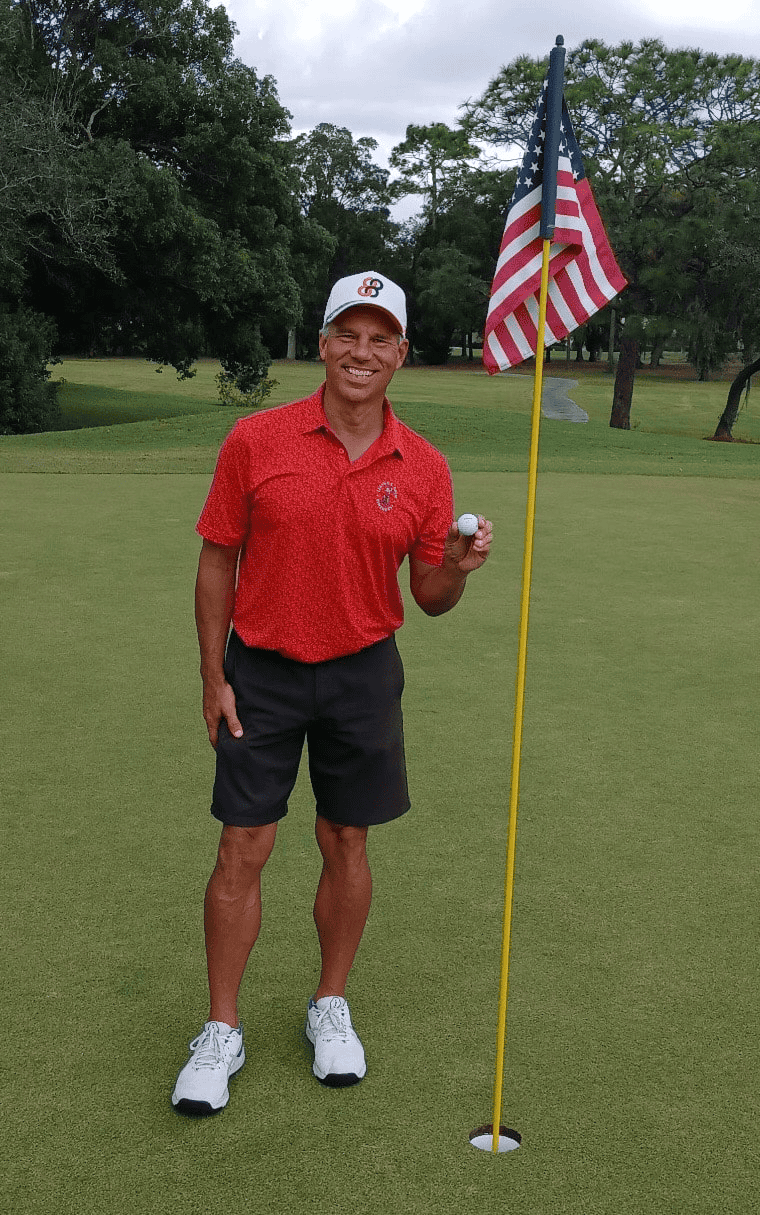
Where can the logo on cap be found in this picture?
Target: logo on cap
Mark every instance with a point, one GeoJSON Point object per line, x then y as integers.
{"type": "Point", "coordinates": [370, 286]}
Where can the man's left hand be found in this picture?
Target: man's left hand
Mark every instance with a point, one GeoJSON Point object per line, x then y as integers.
{"type": "Point", "coordinates": [469, 553]}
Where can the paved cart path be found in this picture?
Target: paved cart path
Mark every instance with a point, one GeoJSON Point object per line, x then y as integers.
{"type": "Point", "coordinates": [556, 401]}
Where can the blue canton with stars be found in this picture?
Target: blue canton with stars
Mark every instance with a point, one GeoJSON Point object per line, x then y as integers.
{"type": "Point", "coordinates": [532, 170]}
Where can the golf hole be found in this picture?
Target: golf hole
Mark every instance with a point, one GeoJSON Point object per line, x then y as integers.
{"type": "Point", "coordinates": [482, 1138]}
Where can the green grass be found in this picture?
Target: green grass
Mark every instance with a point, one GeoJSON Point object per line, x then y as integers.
{"type": "Point", "coordinates": [481, 423]}
{"type": "Point", "coordinates": [632, 1066]}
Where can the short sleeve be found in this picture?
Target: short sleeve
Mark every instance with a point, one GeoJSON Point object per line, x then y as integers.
{"type": "Point", "coordinates": [437, 520]}
{"type": "Point", "coordinates": [226, 514]}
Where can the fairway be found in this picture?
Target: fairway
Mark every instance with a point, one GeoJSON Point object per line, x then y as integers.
{"type": "Point", "coordinates": [126, 418]}
{"type": "Point", "coordinates": [632, 1069]}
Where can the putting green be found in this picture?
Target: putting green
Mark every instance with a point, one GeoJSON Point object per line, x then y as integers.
{"type": "Point", "coordinates": [632, 1070]}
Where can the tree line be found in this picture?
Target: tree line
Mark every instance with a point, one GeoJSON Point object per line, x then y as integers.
{"type": "Point", "coordinates": [154, 202]}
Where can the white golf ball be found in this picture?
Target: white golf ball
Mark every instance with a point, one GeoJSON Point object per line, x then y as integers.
{"type": "Point", "coordinates": [467, 524]}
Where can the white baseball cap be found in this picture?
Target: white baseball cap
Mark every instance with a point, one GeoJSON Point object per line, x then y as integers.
{"type": "Point", "coordinates": [367, 288]}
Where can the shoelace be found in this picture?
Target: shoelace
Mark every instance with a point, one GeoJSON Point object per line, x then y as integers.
{"type": "Point", "coordinates": [337, 1027]}
{"type": "Point", "coordinates": [209, 1047]}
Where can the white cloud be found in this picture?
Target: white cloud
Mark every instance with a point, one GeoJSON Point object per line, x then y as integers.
{"type": "Point", "coordinates": [375, 67]}
{"type": "Point", "coordinates": [729, 15]}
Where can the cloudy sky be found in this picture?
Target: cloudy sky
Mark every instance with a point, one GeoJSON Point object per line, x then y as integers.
{"type": "Point", "coordinates": [376, 65]}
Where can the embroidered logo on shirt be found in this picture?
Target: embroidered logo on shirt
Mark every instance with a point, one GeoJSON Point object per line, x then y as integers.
{"type": "Point", "coordinates": [387, 495]}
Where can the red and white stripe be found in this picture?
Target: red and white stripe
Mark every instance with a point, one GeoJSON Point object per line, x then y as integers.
{"type": "Point", "coordinates": [583, 274]}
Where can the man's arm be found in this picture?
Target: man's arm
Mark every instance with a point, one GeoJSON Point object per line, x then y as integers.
{"type": "Point", "coordinates": [214, 601]}
{"type": "Point", "coordinates": [438, 588]}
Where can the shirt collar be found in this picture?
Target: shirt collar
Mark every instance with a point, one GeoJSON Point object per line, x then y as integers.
{"type": "Point", "coordinates": [315, 418]}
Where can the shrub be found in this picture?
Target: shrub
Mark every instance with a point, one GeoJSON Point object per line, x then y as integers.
{"type": "Point", "coordinates": [253, 398]}
{"type": "Point", "coordinates": [28, 401]}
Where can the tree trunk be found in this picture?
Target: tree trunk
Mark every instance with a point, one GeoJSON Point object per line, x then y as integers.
{"type": "Point", "coordinates": [611, 342]}
{"type": "Point", "coordinates": [658, 350]}
{"type": "Point", "coordinates": [728, 417]}
{"type": "Point", "coordinates": [291, 344]}
{"type": "Point", "coordinates": [620, 418]}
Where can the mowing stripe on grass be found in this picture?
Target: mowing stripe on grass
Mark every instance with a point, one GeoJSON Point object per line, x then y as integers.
{"type": "Point", "coordinates": [634, 998]}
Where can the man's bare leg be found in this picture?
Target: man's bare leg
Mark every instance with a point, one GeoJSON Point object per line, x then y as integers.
{"type": "Point", "coordinates": [343, 900]}
{"type": "Point", "coordinates": [233, 913]}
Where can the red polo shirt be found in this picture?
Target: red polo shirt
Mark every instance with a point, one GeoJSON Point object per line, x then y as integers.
{"type": "Point", "coordinates": [322, 539]}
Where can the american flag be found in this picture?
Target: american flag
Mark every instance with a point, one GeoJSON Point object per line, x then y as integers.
{"type": "Point", "coordinates": [583, 273]}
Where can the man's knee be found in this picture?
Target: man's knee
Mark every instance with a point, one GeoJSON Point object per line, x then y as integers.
{"type": "Point", "coordinates": [244, 851]}
{"type": "Point", "coordinates": [340, 844]}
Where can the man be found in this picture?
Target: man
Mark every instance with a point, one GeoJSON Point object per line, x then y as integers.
{"type": "Point", "coordinates": [312, 509]}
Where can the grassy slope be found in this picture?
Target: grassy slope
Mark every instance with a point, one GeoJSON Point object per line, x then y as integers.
{"type": "Point", "coordinates": [479, 422]}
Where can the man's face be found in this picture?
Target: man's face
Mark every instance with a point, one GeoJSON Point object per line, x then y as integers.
{"type": "Point", "coordinates": [362, 354]}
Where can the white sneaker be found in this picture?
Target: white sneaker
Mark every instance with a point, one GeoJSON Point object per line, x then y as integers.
{"type": "Point", "coordinates": [338, 1053]}
{"type": "Point", "coordinates": [215, 1055]}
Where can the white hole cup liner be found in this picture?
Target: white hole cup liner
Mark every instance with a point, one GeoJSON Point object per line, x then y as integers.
{"type": "Point", "coordinates": [482, 1138]}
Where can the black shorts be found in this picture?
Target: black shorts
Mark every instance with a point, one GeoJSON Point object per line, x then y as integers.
{"type": "Point", "coordinates": [349, 710]}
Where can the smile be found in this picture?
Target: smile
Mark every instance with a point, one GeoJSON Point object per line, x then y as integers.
{"type": "Point", "coordinates": [364, 375]}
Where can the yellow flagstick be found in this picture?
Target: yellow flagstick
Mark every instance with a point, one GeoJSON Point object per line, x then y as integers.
{"type": "Point", "coordinates": [522, 657]}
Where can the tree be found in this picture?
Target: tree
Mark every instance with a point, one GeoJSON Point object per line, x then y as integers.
{"type": "Point", "coordinates": [641, 113]}
{"type": "Point", "coordinates": [472, 215]}
{"type": "Point", "coordinates": [342, 191]}
{"type": "Point", "coordinates": [593, 335]}
{"type": "Point", "coordinates": [453, 241]}
{"type": "Point", "coordinates": [429, 161]}
{"type": "Point", "coordinates": [52, 201]}
{"type": "Point", "coordinates": [622, 395]}
{"type": "Point", "coordinates": [471, 219]}
{"type": "Point", "coordinates": [739, 259]}
{"type": "Point", "coordinates": [54, 207]}
{"type": "Point", "coordinates": [727, 420]}
{"type": "Point", "coordinates": [448, 297]}
{"type": "Point", "coordinates": [200, 238]}
{"type": "Point", "coordinates": [654, 127]}
{"type": "Point", "coordinates": [27, 398]}
{"type": "Point", "coordinates": [336, 171]}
